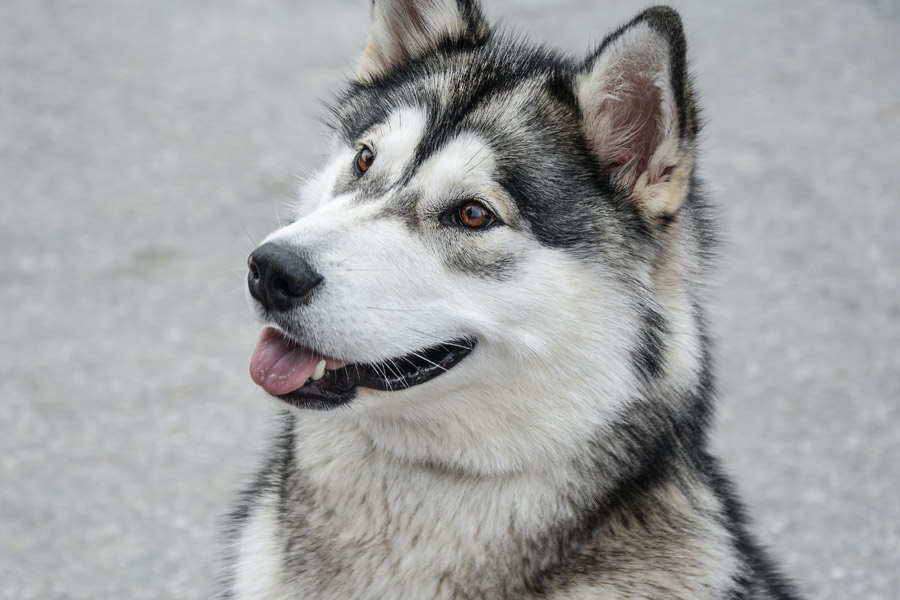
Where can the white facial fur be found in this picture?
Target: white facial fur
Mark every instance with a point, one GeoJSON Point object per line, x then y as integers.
{"type": "Point", "coordinates": [531, 390]}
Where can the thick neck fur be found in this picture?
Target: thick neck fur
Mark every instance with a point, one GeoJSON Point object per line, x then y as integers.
{"type": "Point", "coordinates": [361, 517]}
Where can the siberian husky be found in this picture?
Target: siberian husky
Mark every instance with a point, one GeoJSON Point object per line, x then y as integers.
{"type": "Point", "coordinates": [485, 322]}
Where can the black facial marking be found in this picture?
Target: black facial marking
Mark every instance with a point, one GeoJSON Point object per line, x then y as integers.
{"type": "Point", "coordinates": [446, 123]}
{"type": "Point", "coordinates": [403, 207]}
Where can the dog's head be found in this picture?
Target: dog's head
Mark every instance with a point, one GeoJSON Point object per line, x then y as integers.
{"type": "Point", "coordinates": [496, 239]}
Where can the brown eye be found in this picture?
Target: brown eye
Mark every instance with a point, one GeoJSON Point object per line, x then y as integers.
{"type": "Point", "coordinates": [364, 160]}
{"type": "Point", "coordinates": [474, 215]}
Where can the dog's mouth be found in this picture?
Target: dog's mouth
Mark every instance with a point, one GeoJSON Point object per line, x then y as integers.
{"type": "Point", "coordinates": [307, 379]}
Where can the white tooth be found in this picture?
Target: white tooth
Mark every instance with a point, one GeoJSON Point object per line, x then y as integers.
{"type": "Point", "coordinates": [319, 373]}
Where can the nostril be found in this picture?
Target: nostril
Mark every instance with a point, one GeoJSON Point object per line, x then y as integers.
{"type": "Point", "coordinates": [254, 283]}
{"type": "Point", "coordinates": [279, 278]}
{"type": "Point", "coordinates": [281, 286]}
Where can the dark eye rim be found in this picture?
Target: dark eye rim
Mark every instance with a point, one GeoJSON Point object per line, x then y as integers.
{"type": "Point", "coordinates": [356, 169]}
{"type": "Point", "coordinates": [451, 217]}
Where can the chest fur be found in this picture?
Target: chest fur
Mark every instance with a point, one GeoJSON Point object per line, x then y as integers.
{"type": "Point", "coordinates": [345, 521]}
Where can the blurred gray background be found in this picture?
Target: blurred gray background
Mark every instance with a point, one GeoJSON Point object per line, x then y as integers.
{"type": "Point", "coordinates": [138, 139]}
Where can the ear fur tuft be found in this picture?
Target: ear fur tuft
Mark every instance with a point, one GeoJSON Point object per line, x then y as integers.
{"type": "Point", "coordinates": [638, 112]}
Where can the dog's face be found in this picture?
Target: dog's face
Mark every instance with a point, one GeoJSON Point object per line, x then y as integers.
{"type": "Point", "coordinates": [479, 245]}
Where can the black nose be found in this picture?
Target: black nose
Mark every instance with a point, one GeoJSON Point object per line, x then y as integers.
{"type": "Point", "coordinates": [280, 278]}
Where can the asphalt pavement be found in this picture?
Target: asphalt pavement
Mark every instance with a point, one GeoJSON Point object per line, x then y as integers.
{"type": "Point", "coordinates": [145, 146]}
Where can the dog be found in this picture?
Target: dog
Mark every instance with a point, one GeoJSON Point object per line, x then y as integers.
{"type": "Point", "coordinates": [485, 322]}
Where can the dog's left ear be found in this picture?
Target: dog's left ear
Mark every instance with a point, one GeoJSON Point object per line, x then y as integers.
{"type": "Point", "coordinates": [637, 110]}
{"type": "Point", "coordinates": [404, 29]}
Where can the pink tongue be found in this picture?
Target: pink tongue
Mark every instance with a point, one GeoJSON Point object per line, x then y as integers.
{"type": "Point", "coordinates": [280, 366]}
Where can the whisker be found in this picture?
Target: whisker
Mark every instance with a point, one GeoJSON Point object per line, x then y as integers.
{"type": "Point", "coordinates": [475, 155]}
{"type": "Point", "coordinates": [480, 162]}
{"type": "Point", "coordinates": [456, 345]}
{"type": "Point", "coordinates": [396, 371]}
{"type": "Point", "coordinates": [428, 335]}
{"type": "Point", "coordinates": [384, 376]}
{"type": "Point", "coordinates": [231, 271]}
{"type": "Point", "coordinates": [347, 258]}
{"type": "Point", "coordinates": [416, 354]}
{"type": "Point", "coordinates": [250, 237]}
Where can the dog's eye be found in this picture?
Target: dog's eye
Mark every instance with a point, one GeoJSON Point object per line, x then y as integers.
{"type": "Point", "coordinates": [473, 215]}
{"type": "Point", "coordinates": [364, 160]}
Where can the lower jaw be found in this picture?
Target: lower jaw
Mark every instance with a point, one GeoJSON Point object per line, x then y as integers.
{"type": "Point", "coordinates": [312, 397]}
{"type": "Point", "coordinates": [338, 388]}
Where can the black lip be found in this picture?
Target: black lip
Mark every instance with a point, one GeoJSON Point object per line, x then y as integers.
{"type": "Point", "coordinates": [338, 387]}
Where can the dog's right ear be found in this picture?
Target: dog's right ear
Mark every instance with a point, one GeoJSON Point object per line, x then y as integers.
{"type": "Point", "coordinates": [638, 111]}
{"type": "Point", "coordinates": [403, 29]}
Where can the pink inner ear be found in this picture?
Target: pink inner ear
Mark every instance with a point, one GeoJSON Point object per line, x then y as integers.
{"type": "Point", "coordinates": [626, 121]}
{"type": "Point", "coordinates": [634, 114]}
{"type": "Point", "coordinates": [617, 159]}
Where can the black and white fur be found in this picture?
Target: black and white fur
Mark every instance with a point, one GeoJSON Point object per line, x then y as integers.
{"type": "Point", "coordinates": [566, 456]}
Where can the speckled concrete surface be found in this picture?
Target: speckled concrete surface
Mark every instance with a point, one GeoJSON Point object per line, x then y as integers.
{"type": "Point", "coordinates": [138, 139]}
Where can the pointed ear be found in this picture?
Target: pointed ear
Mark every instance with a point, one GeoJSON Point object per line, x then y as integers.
{"type": "Point", "coordinates": [403, 29]}
{"type": "Point", "coordinates": [637, 110]}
